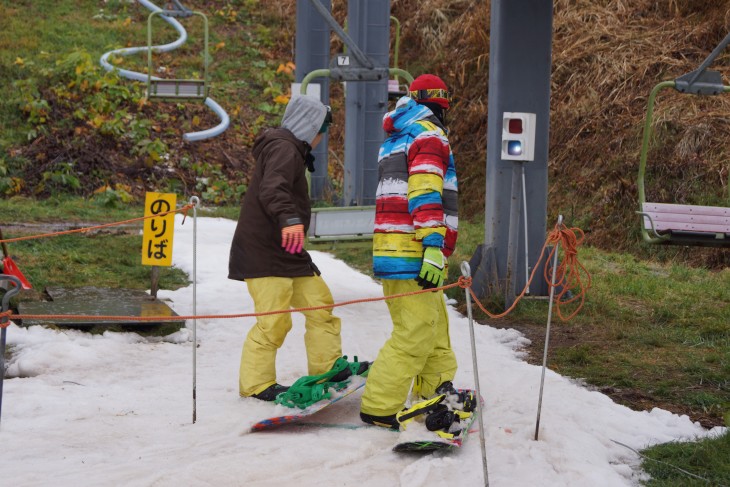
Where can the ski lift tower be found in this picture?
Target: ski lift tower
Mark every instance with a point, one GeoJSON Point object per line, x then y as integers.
{"type": "Point", "coordinates": [312, 51]}
{"type": "Point", "coordinates": [364, 69]}
{"type": "Point", "coordinates": [520, 47]}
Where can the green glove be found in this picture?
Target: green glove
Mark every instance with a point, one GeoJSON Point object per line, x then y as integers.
{"type": "Point", "coordinates": [433, 268]}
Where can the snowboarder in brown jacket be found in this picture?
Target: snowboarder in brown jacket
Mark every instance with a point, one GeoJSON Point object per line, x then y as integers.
{"type": "Point", "coordinates": [267, 251]}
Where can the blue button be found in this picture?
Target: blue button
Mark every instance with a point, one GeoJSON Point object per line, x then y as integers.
{"type": "Point", "coordinates": [514, 148]}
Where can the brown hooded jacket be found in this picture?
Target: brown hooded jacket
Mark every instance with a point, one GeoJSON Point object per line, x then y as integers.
{"type": "Point", "coordinates": [277, 197]}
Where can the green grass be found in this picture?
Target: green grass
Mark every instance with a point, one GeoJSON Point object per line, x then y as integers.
{"type": "Point", "coordinates": [33, 35]}
{"type": "Point", "coordinates": [358, 254]}
{"type": "Point", "coordinates": [60, 101]}
{"type": "Point", "coordinates": [662, 331]}
{"type": "Point", "coordinates": [74, 210]}
{"type": "Point", "coordinates": [706, 458]}
{"type": "Point", "coordinates": [102, 260]}
{"type": "Point", "coordinates": [110, 258]}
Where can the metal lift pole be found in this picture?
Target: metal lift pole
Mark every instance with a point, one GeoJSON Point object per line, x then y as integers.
{"type": "Point", "coordinates": [312, 52]}
{"type": "Point", "coordinates": [520, 47]}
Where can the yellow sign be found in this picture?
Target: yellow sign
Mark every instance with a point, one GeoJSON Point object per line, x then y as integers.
{"type": "Point", "coordinates": [158, 232]}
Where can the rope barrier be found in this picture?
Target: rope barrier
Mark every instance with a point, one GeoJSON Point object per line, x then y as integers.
{"type": "Point", "coordinates": [183, 209]}
{"type": "Point", "coordinates": [568, 277]}
{"type": "Point", "coordinates": [462, 282]}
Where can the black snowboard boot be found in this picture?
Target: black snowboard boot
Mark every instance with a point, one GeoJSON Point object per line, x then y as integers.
{"type": "Point", "coordinates": [457, 400]}
{"type": "Point", "coordinates": [445, 422]}
{"type": "Point", "coordinates": [383, 421]}
{"type": "Point", "coordinates": [270, 393]}
{"type": "Point", "coordinates": [419, 410]}
{"type": "Point", "coordinates": [362, 369]}
{"type": "Point", "coordinates": [440, 418]}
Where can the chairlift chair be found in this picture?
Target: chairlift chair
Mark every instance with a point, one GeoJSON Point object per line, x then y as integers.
{"type": "Point", "coordinates": [177, 89]}
{"type": "Point", "coordinates": [676, 224]}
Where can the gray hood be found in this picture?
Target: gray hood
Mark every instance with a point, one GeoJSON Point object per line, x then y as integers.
{"type": "Point", "coordinates": [303, 117]}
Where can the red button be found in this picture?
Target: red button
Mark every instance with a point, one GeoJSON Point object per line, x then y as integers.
{"type": "Point", "coordinates": [514, 126]}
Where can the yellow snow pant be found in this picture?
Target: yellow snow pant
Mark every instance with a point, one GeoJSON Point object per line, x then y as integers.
{"type": "Point", "coordinates": [322, 329]}
{"type": "Point", "coordinates": [419, 348]}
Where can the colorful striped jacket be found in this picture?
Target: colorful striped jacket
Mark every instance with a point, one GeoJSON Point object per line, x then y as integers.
{"type": "Point", "coordinates": [416, 200]}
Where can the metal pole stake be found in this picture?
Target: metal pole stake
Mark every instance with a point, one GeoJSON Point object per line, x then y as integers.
{"type": "Point", "coordinates": [547, 332]}
{"type": "Point", "coordinates": [527, 239]}
{"type": "Point", "coordinates": [466, 272]}
{"type": "Point", "coordinates": [195, 201]}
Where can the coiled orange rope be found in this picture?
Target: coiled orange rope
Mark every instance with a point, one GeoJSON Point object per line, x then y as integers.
{"type": "Point", "coordinates": [567, 275]}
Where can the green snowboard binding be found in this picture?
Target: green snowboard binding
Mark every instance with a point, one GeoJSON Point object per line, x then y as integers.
{"type": "Point", "coordinates": [310, 389]}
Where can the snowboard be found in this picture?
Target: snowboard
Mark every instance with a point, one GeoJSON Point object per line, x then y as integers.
{"type": "Point", "coordinates": [427, 441]}
{"type": "Point", "coordinates": [294, 415]}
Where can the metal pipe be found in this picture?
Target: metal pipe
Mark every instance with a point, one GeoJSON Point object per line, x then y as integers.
{"type": "Point", "coordinates": [195, 201]}
{"type": "Point", "coordinates": [527, 251]}
{"type": "Point", "coordinates": [645, 151]}
{"type": "Point", "coordinates": [547, 332]}
{"type": "Point", "coordinates": [466, 272]}
{"type": "Point", "coordinates": [211, 132]}
{"type": "Point", "coordinates": [396, 48]}
{"type": "Point", "coordinates": [135, 76]}
{"type": "Point", "coordinates": [402, 73]}
{"type": "Point", "coordinates": [706, 63]}
{"type": "Point", "coordinates": [510, 292]}
{"type": "Point", "coordinates": [647, 136]}
{"type": "Point", "coordinates": [317, 73]}
{"type": "Point", "coordinates": [184, 11]}
{"type": "Point", "coordinates": [324, 73]}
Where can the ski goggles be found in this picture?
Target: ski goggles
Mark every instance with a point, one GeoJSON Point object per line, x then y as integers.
{"type": "Point", "coordinates": [430, 93]}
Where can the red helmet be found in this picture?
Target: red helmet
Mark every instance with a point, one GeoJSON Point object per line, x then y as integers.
{"type": "Point", "coordinates": [430, 88]}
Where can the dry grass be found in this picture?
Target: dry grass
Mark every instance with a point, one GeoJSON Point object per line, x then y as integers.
{"type": "Point", "coordinates": [607, 56]}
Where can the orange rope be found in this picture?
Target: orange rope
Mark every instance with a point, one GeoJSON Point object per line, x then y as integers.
{"type": "Point", "coordinates": [462, 282]}
{"type": "Point", "coordinates": [567, 275]}
{"type": "Point", "coordinates": [183, 209]}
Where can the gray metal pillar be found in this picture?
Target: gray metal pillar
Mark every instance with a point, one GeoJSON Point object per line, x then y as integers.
{"type": "Point", "coordinates": [519, 81]}
{"type": "Point", "coordinates": [368, 24]}
{"type": "Point", "coordinates": [312, 51]}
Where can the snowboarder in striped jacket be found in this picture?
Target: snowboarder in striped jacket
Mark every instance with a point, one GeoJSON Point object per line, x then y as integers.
{"type": "Point", "coordinates": [416, 220]}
